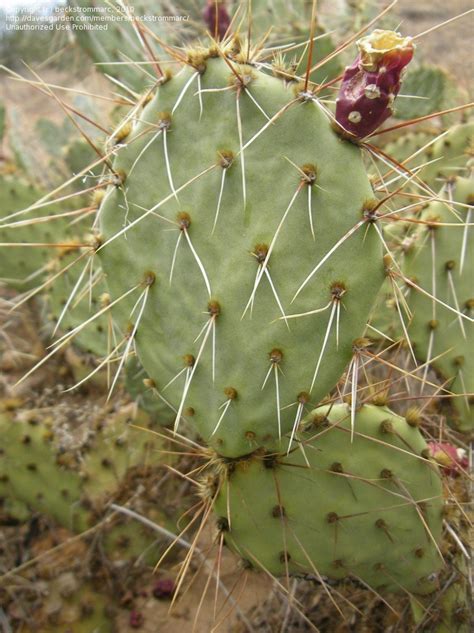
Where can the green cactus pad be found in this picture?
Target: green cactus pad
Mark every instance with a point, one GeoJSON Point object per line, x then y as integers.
{"type": "Point", "coordinates": [449, 610]}
{"type": "Point", "coordinates": [54, 137]}
{"type": "Point", "coordinates": [409, 143]}
{"type": "Point", "coordinates": [69, 466]}
{"type": "Point", "coordinates": [294, 159]}
{"type": "Point", "coordinates": [427, 89]}
{"type": "Point", "coordinates": [24, 267]}
{"type": "Point", "coordinates": [144, 394]}
{"type": "Point", "coordinates": [369, 509]}
{"type": "Point", "coordinates": [77, 155]}
{"type": "Point", "coordinates": [450, 154]}
{"type": "Point", "coordinates": [441, 261]}
{"type": "Point", "coordinates": [82, 288]}
{"type": "Point", "coordinates": [73, 607]}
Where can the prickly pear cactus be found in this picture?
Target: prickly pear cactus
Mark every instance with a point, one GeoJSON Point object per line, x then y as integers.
{"type": "Point", "coordinates": [77, 155]}
{"type": "Point", "coordinates": [73, 607]}
{"type": "Point", "coordinates": [416, 144]}
{"type": "Point", "coordinates": [426, 89]}
{"type": "Point", "coordinates": [70, 465]}
{"type": "Point", "coordinates": [223, 239]}
{"type": "Point", "coordinates": [277, 15]}
{"type": "Point", "coordinates": [450, 154]}
{"type": "Point", "coordinates": [287, 24]}
{"type": "Point", "coordinates": [75, 296]}
{"type": "Point", "coordinates": [117, 49]}
{"type": "Point", "coordinates": [445, 157]}
{"type": "Point", "coordinates": [449, 609]}
{"type": "Point", "coordinates": [323, 47]}
{"type": "Point", "coordinates": [141, 388]}
{"type": "Point", "coordinates": [441, 262]}
{"type": "Point", "coordinates": [54, 137]}
{"type": "Point", "coordinates": [366, 506]}
{"type": "Point", "coordinates": [25, 267]}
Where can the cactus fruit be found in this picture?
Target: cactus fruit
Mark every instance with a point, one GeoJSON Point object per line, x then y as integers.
{"type": "Point", "coordinates": [440, 261]}
{"type": "Point", "coordinates": [368, 508]}
{"type": "Point", "coordinates": [370, 85]}
{"type": "Point", "coordinates": [217, 18]}
{"type": "Point", "coordinates": [256, 208]}
{"type": "Point", "coordinates": [451, 460]}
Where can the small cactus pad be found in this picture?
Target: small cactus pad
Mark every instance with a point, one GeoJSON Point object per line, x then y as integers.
{"type": "Point", "coordinates": [224, 237]}
{"type": "Point", "coordinates": [442, 158]}
{"type": "Point", "coordinates": [68, 465]}
{"type": "Point", "coordinates": [75, 296]}
{"type": "Point", "coordinates": [370, 509]}
{"type": "Point", "coordinates": [426, 89]}
{"type": "Point", "coordinates": [24, 267]}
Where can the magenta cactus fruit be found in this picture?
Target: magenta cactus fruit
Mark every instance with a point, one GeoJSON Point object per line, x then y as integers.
{"type": "Point", "coordinates": [450, 459]}
{"type": "Point", "coordinates": [372, 82]}
{"type": "Point", "coordinates": [136, 619]}
{"type": "Point", "coordinates": [164, 589]}
{"type": "Point", "coordinates": [217, 18]}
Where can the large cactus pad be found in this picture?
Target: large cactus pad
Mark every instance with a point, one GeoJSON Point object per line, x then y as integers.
{"type": "Point", "coordinates": [230, 199]}
{"type": "Point", "coordinates": [369, 509]}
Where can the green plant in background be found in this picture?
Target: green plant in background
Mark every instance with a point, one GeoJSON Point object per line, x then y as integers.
{"type": "Point", "coordinates": [118, 50]}
{"type": "Point", "coordinates": [440, 155]}
{"type": "Point", "coordinates": [16, 268]}
{"type": "Point", "coordinates": [440, 259]}
{"type": "Point", "coordinates": [428, 89]}
{"type": "Point", "coordinates": [93, 456]}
